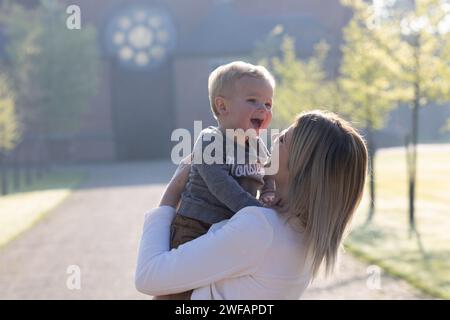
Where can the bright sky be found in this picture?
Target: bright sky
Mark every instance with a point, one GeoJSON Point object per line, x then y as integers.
{"type": "Point", "coordinates": [381, 6]}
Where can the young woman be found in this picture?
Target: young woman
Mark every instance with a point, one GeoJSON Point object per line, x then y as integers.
{"type": "Point", "coordinates": [266, 253]}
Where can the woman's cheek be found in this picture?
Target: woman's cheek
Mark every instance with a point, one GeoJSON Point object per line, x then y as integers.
{"type": "Point", "coordinates": [283, 157]}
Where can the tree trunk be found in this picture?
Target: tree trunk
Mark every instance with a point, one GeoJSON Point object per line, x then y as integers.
{"type": "Point", "coordinates": [3, 174]}
{"type": "Point", "coordinates": [27, 163]}
{"type": "Point", "coordinates": [412, 163]}
{"type": "Point", "coordinates": [371, 150]}
{"type": "Point", "coordinates": [46, 156]}
{"type": "Point", "coordinates": [36, 159]}
{"type": "Point", "coordinates": [39, 161]}
{"type": "Point", "coordinates": [28, 174]}
{"type": "Point", "coordinates": [16, 169]}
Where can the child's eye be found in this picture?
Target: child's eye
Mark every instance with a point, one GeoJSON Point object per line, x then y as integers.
{"type": "Point", "coordinates": [251, 100]}
{"type": "Point", "coordinates": [268, 105]}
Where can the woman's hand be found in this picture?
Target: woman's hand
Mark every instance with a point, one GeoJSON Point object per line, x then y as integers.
{"type": "Point", "coordinates": [172, 194]}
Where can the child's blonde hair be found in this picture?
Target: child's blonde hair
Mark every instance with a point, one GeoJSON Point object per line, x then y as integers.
{"type": "Point", "coordinates": [225, 75]}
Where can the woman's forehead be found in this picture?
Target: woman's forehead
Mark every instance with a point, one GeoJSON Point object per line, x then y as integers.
{"type": "Point", "coordinates": [288, 133]}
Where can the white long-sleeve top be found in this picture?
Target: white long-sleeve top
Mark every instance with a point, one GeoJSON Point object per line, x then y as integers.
{"type": "Point", "coordinates": [254, 255]}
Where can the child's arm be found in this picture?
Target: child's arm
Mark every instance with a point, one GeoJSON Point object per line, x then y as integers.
{"type": "Point", "coordinates": [225, 188]}
{"type": "Point", "coordinates": [172, 194]}
{"type": "Point", "coordinates": [222, 186]}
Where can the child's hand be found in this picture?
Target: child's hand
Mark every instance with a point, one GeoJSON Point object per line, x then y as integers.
{"type": "Point", "coordinates": [267, 198]}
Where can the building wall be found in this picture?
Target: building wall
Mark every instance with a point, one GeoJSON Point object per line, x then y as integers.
{"type": "Point", "coordinates": [191, 92]}
{"type": "Point", "coordinates": [330, 13]}
{"type": "Point", "coordinates": [190, 73]}
{"type": "Point", "coordinates": [95, 140]}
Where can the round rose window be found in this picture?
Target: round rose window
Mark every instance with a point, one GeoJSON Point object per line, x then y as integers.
{"type": "Point", "coordinates": [140, 36]}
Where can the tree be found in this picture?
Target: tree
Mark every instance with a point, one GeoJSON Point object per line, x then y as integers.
{"type": "Point", "coordinates": [269, 47]}
{"type": "Point", "coordinates": [415, 40]}
{"type": "Point", "coordinates": [9, 122]}
{"type": "Point", "coordinates": [66, 71]}
{"type": "Point", "coordinates": [9, 127]}
{"type": "Point", "coordinates": [55, 70]}
{"type": "Point", "coordinates": [301, 85]}
{"type": "Point", "coordinates": [22, 28]}
{"type": "Point", "coordinates": [365, 84]}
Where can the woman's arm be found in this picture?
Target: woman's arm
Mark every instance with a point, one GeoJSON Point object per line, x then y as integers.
{"type": "Point", "coordinates": [230, 251]}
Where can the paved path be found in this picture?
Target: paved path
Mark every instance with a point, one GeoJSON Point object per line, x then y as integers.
{"type": "Point", "coordinates": [97, 229]}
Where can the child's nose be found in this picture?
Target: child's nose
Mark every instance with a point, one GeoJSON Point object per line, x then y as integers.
{"type": "Point", "coordinates": [262, 106]}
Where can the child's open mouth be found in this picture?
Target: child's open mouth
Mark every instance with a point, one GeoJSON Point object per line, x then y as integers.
{"type": "Point", "coordinates": [256, 123]}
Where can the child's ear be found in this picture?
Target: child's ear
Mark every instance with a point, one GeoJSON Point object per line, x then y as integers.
{"type": "Point", "coordinates": [221, 105]}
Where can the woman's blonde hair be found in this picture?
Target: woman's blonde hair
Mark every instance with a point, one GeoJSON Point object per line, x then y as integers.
{"type": "Point", "coordinates": [327, 169]}
{"type": "Point", "coordinates": [226, 75]}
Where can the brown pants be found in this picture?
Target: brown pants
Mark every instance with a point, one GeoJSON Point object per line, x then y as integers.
{"type": "Point", "coordinates": [182, 230]}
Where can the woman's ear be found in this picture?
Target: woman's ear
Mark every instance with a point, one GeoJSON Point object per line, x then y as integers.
{"type": "Point", "coordinates": [221, 105]}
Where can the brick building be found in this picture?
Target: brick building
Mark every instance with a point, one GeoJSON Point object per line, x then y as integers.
{"type": "Point", "coordinates": [156, 58]}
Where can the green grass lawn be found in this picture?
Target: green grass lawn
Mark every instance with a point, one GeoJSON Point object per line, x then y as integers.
{"type": "Point", "coordinates": [425, 263]}
{"type": "Point", "coordinates": [19, 211]}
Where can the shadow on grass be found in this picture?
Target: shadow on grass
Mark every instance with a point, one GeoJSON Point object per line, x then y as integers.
{"type": "Point", "coordinates": [402, 256]}
{"type": "Point", "coordinates": [427, 283]}
{"type": "Point", "coordinates": [104, 175]}
{"type": "Point", "coordinates": [426, 257]}
{"type": "Point", "coordinates": [370, 234]}
{"type": "Point", "coordinates": [51, 181]}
